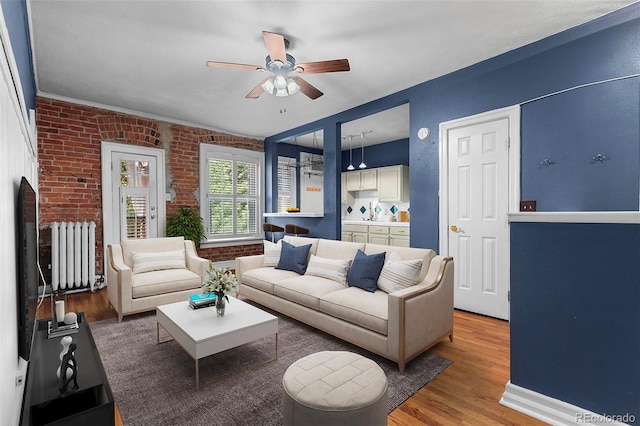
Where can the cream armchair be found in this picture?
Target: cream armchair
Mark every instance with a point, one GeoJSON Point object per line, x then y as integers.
{"type": "Point", "coordinates": [143, 274]}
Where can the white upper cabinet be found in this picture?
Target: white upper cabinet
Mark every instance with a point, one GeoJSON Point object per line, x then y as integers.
{"type": "Point", "coordinates": [361, 180]}
{"type": "Point", "coordinates": [393, 184]}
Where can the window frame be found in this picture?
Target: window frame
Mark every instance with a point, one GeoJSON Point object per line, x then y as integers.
{"type": "Point", "coordinates": [209, 151]}
{"type": "Point", "coordinates": [293, 190]}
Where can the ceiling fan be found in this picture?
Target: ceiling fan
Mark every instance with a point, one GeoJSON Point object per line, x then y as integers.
{"type": "Point", "coordinates": [286, 78]}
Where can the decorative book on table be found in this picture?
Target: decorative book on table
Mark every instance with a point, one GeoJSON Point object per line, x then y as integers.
{"type": "Point", "coordinates": [202, 300]}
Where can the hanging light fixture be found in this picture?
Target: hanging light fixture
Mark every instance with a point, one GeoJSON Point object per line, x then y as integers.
{"type": "Point", "coordinates": [350, 166]}
{"type": "Point", "coordinates": [362, 165]}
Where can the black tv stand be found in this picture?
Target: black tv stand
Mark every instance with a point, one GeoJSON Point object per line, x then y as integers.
{"type": "Point", "coordinates": [92, 403]}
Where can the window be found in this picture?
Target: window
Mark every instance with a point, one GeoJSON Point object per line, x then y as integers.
{"type": "Point", "coordinates": [231, 192]}
{"type": "Point", "coordinates": [286, 184]}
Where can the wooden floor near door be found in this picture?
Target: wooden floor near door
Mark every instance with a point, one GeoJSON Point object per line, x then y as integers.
{"type": "Point", "coordinates": [467, 393]}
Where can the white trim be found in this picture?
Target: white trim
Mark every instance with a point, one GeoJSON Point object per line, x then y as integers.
{"type": "Point", "coordinates": [141, 114]}
{"type": "Point", "coordinates": [551, 410]}
{"type": "Point", "coordinates": [576, 217]}
{"type": "Point", "coordinates": [230, 264]}
{"type": "Point", "coordinates": [206, 150]}
{"type": "Point", "coordinates": [511, 113]}
{"type": "Point", "coordinates": [12, 78]}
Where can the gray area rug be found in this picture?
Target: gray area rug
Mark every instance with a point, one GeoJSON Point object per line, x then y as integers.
{"type": "Point", "coordinates": [155, 384]}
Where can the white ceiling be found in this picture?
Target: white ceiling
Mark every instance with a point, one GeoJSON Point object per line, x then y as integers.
{"type": "Point", "coordinates": [149, 56]}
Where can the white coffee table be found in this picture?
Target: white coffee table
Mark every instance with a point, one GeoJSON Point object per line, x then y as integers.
{"type": "Point", "coordinates": [201, 333]}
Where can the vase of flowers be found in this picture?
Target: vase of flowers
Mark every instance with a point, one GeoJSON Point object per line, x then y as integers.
{"type": "Point", "coordinates": [221, 282]}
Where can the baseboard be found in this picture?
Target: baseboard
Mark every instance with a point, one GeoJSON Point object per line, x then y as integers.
{"type": "Point", "coordinates": [554, 411]}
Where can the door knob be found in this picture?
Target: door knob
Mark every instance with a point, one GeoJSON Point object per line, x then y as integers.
{"type": "Point", "coordinates": [454, 228]}
{"type": "Point", "coordinates": [153, 216]}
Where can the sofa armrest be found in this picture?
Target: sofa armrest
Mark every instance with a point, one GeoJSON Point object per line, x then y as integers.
{"type": "Point", "coordinates": [247, 263]}
{"type": "Point", "coordinates": [422, 314]}
{"type": "Point", "coordinates": [118, 279]}
{"type": "Point", "coordinates": [195, 263]}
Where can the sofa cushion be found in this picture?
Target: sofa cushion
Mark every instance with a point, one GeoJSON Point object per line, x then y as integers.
{"type": "Point", "coordinates": [157, 261]}
{"type": "Point", "coordinates": [263, 278]}
{"type": "Point", "coordinates": [271, 253]}
{"type": "Point", "coordinates": [332, 269]}
{"type": "Point", "coordinates": [161, 282]}
{"type": "Point", "coordinates": [305, 290]}
{"type": "Point", "coordinates": [365, 270]}
{"type": "Point", "coordinates": [301, 241]}
{"type": "Point", "coordinates": [149, 245]}
{"type": "Point", "coordinates": [332, 249]}
{"type": "Point", "coordinates": [406, 253]}
{"type": "Point", "coordinates": [294, 258]}
{"type": "Point", "coordinates": [398, 274]}
{"type": "Point", "coordinates": [369, 310]}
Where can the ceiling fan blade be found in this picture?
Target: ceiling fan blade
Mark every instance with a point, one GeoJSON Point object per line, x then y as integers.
{"type": "Point", "coordinates": [275, 46]}
{"type": "Point", "coordinates": [334, 65]}
{"type": "Point", "coordinates": [256, 91]}
{"type": "Point", "coordinates": [308, 89]}
{"type": "Point", "coordinates": [214, 64]}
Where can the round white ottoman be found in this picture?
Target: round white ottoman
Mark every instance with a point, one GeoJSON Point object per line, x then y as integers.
{"type": "Point", "coordinates": [334, 388]}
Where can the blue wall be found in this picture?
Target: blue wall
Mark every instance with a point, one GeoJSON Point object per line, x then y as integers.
{"type": "Point", "coordinates": [575, 304]}
{"type": "Point", "coordinates": [386, 154]}
{"type": "Point", "coordinates": [558, 314]}
{"type": "Point", "coordinates": [15, 16]}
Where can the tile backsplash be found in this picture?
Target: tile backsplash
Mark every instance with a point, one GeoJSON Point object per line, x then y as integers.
{"type": "Point", "coordinates": [366, 206]}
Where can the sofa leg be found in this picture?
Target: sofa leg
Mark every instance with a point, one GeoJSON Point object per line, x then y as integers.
{"type": "Point", "coordinates": [451, 337]}
{"type": "Point", "coordinates": [401, 365]}
{"type": "Point", "coordinates": [120, 317]}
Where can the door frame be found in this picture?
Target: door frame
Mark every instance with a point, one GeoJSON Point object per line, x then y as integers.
{"type": "Point", "coordinates": [512, 113]}
{"type": "Point", "coordinates": [107, 149]}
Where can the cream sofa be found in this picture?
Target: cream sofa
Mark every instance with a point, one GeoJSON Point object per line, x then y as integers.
{"type": "Point", "coordinates": [398, 326]}
{"type": "Point", "coordinates": [143, 274]}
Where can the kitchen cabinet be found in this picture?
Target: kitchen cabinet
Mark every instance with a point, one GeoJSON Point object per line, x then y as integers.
{"type": "Point", "coordinates": [393, 184]}
{"type": "Point", "coordinates": [361, 180]}
{"type": "Point", "coordinates": [379, 234]}
{"type": "Point", "coordinates": [345, 196]}
{"type": "Point", "coordinates": [399, 237]}
{"type": "Point", "coordinates": [355, 233]}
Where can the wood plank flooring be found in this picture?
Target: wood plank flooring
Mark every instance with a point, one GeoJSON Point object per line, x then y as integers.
{"type": "Point", "coordinates": [467, 393]}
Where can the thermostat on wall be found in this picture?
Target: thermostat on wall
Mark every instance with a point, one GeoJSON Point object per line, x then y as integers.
{"type": "Point", "coordinates": [423, 133]}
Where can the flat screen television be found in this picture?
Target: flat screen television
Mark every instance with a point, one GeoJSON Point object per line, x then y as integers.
{"type": "Point", "coordinates": [28, 281]}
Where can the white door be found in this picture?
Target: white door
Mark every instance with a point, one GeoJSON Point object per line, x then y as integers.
{"type": "Point", "coordinates": [476, 229]}
{"type": "Point", "coordinates": [132, 193]}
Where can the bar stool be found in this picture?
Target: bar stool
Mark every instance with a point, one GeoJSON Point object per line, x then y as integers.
{"type": "Point", "coordinates": [270, 227]}
{"type": "Point", "coordinates": [293, 229]}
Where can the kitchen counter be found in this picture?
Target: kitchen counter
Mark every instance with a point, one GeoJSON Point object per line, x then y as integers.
{"type": "Point", "coordinates": [374, 223]}
{"type": "Point", "coordinates": [298, 214]}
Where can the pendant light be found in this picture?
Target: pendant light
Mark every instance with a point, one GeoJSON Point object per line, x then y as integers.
{"type": "Point", "coordinates": [350, 166]}
{"type": "Point", "coordinates": [362, 165]}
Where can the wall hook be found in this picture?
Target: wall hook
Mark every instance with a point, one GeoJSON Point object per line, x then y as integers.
{"type": "Point", "coordinates": [599, 157]}
{"type": "Point", "coordinates": [546, 162]}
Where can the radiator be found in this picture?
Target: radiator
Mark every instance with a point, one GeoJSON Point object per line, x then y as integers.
{"type": "Point", "coordinates": [73, 255]}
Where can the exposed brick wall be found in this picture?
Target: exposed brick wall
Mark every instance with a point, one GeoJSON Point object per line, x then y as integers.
{"type": "Point", "coordinates": [69, 137]}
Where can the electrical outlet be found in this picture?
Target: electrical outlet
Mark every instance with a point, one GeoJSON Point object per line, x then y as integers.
{"type": "Point", "coordinates": [528, 206]}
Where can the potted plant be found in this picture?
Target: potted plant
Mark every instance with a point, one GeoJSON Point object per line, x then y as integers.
{"type": "Point", "coordinates": [186, 223]}
{"type": "Point", "coordinates": [221, 282]}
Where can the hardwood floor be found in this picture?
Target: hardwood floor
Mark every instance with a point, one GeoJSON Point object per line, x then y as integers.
{"type": "Point", "coordinates": [467, 393]}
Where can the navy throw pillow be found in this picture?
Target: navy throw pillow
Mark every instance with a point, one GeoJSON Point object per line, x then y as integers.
{"type": "Point", "coordinates": [365, 270]}
{"type": "Point", "coordinates": [294, 258]}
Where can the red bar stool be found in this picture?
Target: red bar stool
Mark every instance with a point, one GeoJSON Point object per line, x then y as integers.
{"type": "Point", "coordinates": [270, 227]}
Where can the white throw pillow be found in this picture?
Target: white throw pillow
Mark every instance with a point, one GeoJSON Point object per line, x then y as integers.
{"type": "Point", "coordinates": [398, 274]}
{"type": "Point", "coordinates": [332, 269]}
{"type": "Point", "coordinates": [271, 253]}
{"type": "Point", "coordinates": [157, 261]}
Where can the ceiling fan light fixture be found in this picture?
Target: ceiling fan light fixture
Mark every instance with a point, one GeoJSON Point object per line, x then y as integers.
{"type": "Point", "coordinates": [268, 86]}
{"type": "Point", "coordinates": [281, 92]}
{"type": "Point", "coordinates": [292, 86]}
